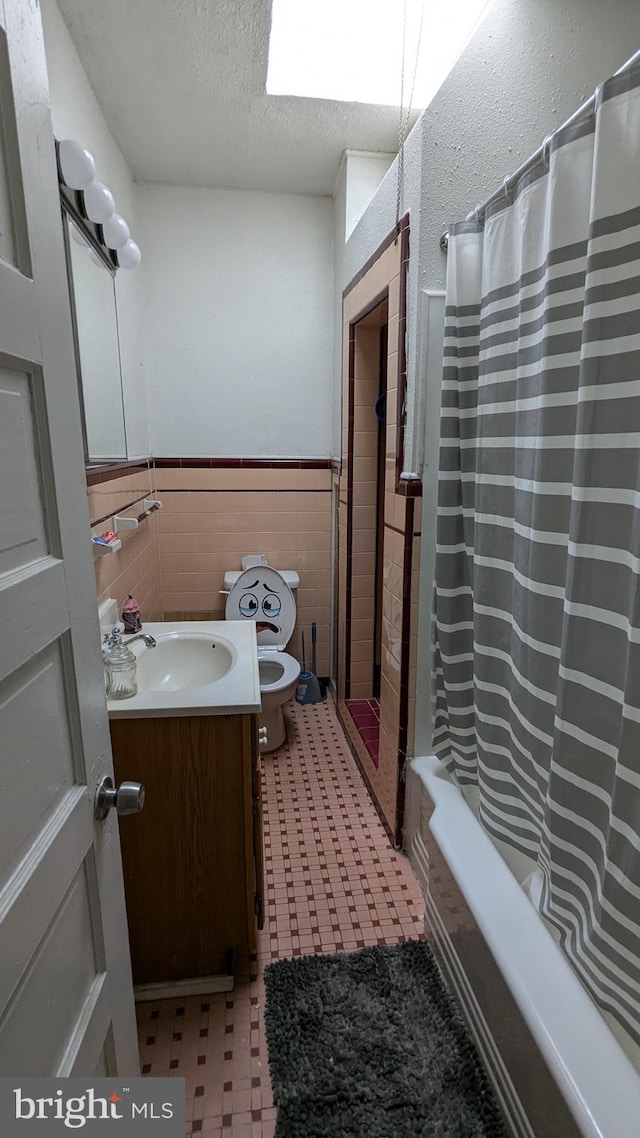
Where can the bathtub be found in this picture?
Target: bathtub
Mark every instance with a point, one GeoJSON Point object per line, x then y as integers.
{"type": "Point", "coordinates": [556, 1066]}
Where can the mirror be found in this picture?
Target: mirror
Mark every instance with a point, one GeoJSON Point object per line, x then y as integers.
{"type": "Point", "coordinates": [93, 305]}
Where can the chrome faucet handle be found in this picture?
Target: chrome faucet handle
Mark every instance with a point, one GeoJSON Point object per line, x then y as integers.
{"type": "Point", "coordinates": [109, 640]}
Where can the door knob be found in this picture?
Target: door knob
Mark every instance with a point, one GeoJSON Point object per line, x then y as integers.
{"type": "Point", "coordinates": [128, 798]}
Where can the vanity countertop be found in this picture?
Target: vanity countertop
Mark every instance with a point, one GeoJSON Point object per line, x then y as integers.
{"type": "Point", "coordinates": [189, 651]}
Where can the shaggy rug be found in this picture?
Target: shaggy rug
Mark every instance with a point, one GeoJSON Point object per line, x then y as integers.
{"type": "Point", "coordinates": [369, 1044]}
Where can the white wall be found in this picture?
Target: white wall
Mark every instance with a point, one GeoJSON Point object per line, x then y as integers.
{"type": "Point", "coordinates": [376, 223]}
{"type": "Point", "coordinates": [340, 236]}
{"type": "Point", "coordinates": [76, 114]}
{"type": "Point", "coordinates": [529, 66]}
{"type": "Point", "coordinates": [238, 321]}
{"type": "Point", "coordinates": [364, 173]}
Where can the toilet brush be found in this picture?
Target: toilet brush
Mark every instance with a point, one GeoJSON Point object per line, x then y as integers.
{"type": "Point", "coordinates": [314, 663]}
{"type": "Point", "coordinates": [308, 688]}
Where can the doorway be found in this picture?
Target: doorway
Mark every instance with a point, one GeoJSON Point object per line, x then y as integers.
{"type": "Point", "coordinates": [377, 519]}
{"type": "Point", "coordinates": [366, 501]}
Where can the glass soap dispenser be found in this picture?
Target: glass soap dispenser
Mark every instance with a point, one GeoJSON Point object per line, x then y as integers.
{"type": "Point", "coordinates": [119, 668]}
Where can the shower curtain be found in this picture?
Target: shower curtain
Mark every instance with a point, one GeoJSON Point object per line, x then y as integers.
{"type": "Point", "coordinates": [537, 595]}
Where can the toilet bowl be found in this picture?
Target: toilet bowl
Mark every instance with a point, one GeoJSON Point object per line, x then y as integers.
{"type": "Point", "coordinates": [262, 594]}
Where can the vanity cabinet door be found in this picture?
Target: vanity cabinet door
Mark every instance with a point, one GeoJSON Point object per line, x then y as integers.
{"type": "Point", "coordinates": [189, 861]}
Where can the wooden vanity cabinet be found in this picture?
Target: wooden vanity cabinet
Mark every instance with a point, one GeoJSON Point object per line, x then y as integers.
{"type": "Point", "coordinates": [192, 860]}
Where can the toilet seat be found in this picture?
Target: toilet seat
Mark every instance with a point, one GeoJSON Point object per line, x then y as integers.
{"type": "Point", "coordinates": [261, 594]}
{"type": "Point", "coordinates": [288, 671]}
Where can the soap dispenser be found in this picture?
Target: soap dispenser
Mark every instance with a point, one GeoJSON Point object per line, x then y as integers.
{"type": "Point", "coordinates": [119, 668]}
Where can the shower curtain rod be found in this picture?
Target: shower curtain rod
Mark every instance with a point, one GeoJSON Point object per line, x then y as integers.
{"type": "Point", "coordinates": [510, 181]}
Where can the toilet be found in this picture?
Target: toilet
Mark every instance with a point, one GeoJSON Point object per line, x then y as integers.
{"type": "Point", "coordinates": [265, 595]}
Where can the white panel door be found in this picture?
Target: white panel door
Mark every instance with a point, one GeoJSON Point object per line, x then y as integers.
{"type": "Point", "coordinates": [66, 998]}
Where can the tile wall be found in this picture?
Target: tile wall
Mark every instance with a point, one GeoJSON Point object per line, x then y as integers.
{"type": "Point", "coordinates": [212, 515]}
{"type": "Point", "coordinates": [135, 568]}
{"type": "Point", "coordinates": [175, 562]}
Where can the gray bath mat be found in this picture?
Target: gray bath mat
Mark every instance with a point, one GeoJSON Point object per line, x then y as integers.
{"type": "Point", "coordinates": [368, 1044]}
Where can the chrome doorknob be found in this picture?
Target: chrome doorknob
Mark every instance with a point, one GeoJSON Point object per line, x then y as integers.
{"type": "Point", "coordinates": [128, 798]}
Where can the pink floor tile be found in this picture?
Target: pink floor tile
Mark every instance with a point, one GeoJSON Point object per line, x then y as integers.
{"type": "Point", "coordinates": [333, 882]}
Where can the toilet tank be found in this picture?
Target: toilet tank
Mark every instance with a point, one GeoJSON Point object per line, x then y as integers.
{"type": "Point", "coordinates": [290, 576]}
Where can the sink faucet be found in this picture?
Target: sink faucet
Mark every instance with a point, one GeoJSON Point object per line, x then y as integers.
{"type": "Point", "coordinates": [150, 641]}
{"type": "Point", "coordinates": [115, 637]}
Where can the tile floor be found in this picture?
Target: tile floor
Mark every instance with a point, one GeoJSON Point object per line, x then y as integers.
{"type": "Point", "coordinates": [333, 882]}
{"type": "Point", "coordinates": [366, 716]}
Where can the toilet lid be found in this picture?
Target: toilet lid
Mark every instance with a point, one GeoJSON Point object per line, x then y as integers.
{"type": "Point", "coordinates": [261, 594]}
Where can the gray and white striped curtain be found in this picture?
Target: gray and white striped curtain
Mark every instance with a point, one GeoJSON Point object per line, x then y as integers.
{"type": "Point", "coordinates": [537, 601]}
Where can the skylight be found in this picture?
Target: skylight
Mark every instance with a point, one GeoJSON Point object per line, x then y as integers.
{"type": "Point", "coordinates": [351, 50]}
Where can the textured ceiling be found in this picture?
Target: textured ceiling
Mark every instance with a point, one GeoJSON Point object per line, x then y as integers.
{"type": "Point", "coordinates": [182, 87]}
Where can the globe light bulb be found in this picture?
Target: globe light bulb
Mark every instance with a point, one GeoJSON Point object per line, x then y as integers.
{"type": "Point", "coordinates": [115, 231]}
{"type": "Point", "coordinates": [77, 166]}
{"type": "Point", "coordinates": [98, 202]}
{"type": "Point", "coordinates": [129, 255]}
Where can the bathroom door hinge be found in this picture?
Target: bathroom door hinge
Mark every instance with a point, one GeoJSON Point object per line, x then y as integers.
{"type": "Point", "coordinates": [257, 904]}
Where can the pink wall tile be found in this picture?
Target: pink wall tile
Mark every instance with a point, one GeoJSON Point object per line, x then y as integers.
{"type": "Point", "coordinates": [394, 295]}
{"type": "Point", "coordinates": [288, 516]}
{"type": "Point", "coordinates": [364, 517]}
{"type": "Point", "coordinates": [362, 589]}
{"type": "Point", "coordinates": [313, 479]}
{"type": "Point", "coordinates": [364, 494]}
{"type": "Point", "coordinates": [362, 608]}
{"type": "Point", "coordinates": [364, 541]}
{"type": "Point", "coordinates": [108, 497]}
{"type": "Point", "coordinates": [135, 568]}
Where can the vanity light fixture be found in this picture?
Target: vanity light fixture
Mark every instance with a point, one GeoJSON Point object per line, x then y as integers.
{"type": "Point", "coordinates": [92, 202]}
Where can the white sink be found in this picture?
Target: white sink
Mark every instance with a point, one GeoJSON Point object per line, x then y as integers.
{"type": "Point", "coordinates": [184, 660]}
{"type": "Point", "coordinates": [207, 667]}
